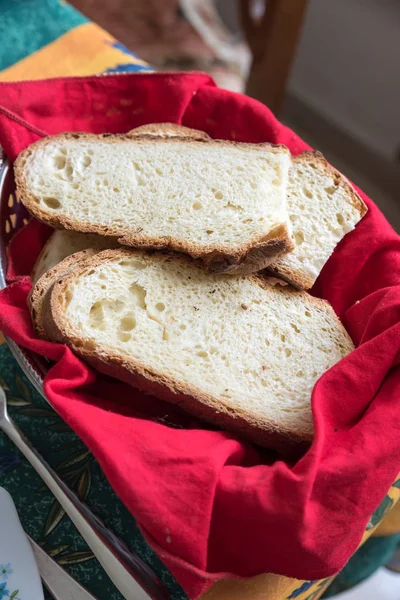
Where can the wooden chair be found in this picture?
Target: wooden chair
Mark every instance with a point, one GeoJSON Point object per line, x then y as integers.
{"type": "Point", "coordinates": [272, 40]}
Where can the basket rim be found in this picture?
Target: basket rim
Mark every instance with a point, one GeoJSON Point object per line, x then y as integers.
{"type": "Point", "coordinates": [27, 360]}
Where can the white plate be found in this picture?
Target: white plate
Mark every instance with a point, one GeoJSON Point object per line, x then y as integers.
{"type": "Point", "coordinates": [19, 575]}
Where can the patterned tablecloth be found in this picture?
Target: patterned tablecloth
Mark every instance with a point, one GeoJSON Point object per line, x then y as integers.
{"type": "Point", "coordinates": [48, 38]}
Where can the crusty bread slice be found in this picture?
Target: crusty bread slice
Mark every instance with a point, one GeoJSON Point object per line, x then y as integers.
{"type": "Point", "coordinates": [322, 205]}
{"type": "Point", "coordinates": [236, 351]}
{"type": "Point", "coordinates": [323, 208]}
{"type": "Point", "coordinates": [63, 243]}
{"type": "Point", "coordinates": [222, 202]}
{"type": "Point", "coordinates": [167, 130]}
{"type": "Point", "coordinates": [37, 296]}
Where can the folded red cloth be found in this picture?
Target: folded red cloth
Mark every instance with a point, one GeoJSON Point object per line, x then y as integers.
{"type": "Point", "coordinates": [212, 504]}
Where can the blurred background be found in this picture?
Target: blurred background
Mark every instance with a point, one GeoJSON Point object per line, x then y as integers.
{"type": "Point", "coordinates": [329, 69]}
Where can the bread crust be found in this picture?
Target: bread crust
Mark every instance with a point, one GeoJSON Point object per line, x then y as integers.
{"type": "Point", "coordinates": [264, 433]}
{"type": "Point", "coordinates": [168, 130]}
{"type": "Point", "coordinates": [37, 298]}
{"type": "Point", "coordinates": [280, 268]}
{"type": "Point", "coordinates": [251, 257]}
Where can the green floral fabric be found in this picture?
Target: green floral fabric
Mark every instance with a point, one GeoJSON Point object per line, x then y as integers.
{"type": "Point", "coordinates": [41, 515]}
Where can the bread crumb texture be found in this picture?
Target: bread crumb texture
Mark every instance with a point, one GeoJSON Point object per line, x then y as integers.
{"type": "Point", "coordinates": [255, 347]}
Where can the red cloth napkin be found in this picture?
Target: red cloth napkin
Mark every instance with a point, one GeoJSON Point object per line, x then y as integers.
{"type": "Point", "coordinates": [209, 503]}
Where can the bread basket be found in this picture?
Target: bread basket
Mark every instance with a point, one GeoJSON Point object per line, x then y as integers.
{"type": "Point", "coordinates": [13, 216]}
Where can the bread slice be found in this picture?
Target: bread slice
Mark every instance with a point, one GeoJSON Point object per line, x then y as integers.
{"type": "Point", "coordinates": [222, 202]}
{"type": "Point", "coordinates": [323, 208]}
{"type": "Point", "coordinates": [37, 296]}
{"type": "Point", "coordinates": [236, 351]}
{"type": "Point", "coordinates": [167, 130]}
{"type": "Point", "coordinates": [63, 243]}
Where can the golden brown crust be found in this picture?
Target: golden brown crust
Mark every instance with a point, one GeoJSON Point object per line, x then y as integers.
{"type": "Point", "coordinates": [259, 256]}
{"type": "Point", "coordinates": [37, 299]}
{"type": "Point", "coordinates": [266, 434]}
{"type": "Point", "coordinates": [169, 130]}
{"type": "Point", "coordinates": [297, 279]}
{"type": "Point", "coordinates": [251, 257]}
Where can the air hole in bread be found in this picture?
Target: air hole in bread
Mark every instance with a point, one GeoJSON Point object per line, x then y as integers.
{"type": "Point", "coordinates": [96, 313]}
{"type": "Point", "coordinates": [127, 323]}
{"type": "Point", "coordinates": [293, 326]}
{"type": "Point", "coordinates": [86, 162]}
{"type": "Point", "coordinates": [123, 337]}
{"type": "Point", "coordinates": [299, 237]}
{"type": "Point", "coordinates": [59, 162]}
{"type": "Point", "coordinates": [202, 354]}
{"type": "Point", "coordinates": [288, 352]}
{"type": "Point", "coordinates": [283, 337]}
{"type": "Point", "coordinates": [307, 313]}
{"type": "Point", "coordinates": [218, 195]}
{"type": "Point", "coordinates": [116, 190]}
{"type": "Point", "coordinates": [136, 166]}
{"type": "Point", "coordinates": [158, 171]}
{"type": "Point", "coordinates": [182, 326]}
{"type": "Point", "coordinates": [276, 182]}
{"type": "Point", "coordinates": [197, 206]}
{"type": "Point", "coordinates": [209, 231]}
{"type": "Point", "coordinates": [51, 202]}
{"type": "Point", "coordinates": [102, 276]}
{"type": "Point", "coordinates": [135, 264]}
{"type": "Point", "coordinates": [139, 294]}
{"type": "Point", "coordinates": [330, 189]}
{"type": "Point", "coordinates": [307, 193]}
{"type": "Point", "coordinates": [68, 171]}
{"type": "Point", "coordinates": [340, 219]}
{"type": "Point", "coordinates": [160, 306]}
{"type": "Point", "coordinates": [233, 207]}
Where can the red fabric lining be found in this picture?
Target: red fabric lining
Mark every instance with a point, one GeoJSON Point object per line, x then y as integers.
{"type": "Point", "coordinates": [209, 503]}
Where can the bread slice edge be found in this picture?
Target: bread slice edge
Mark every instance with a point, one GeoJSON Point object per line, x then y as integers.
{"type": "Point", "coordinates": [38, 298]}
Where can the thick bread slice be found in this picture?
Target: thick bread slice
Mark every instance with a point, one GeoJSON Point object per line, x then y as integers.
{"type": "Point", "coordinates": [168, 130]}
{"type": "Point", "coordinates": [222, 202]}
{"type": "Point", "coordinates": [236, 351]}
{"type": "Point", "coordinates": [323, 208]}
{"type": "Point", "coordinates": [36, 298]}
{"type": "Point", "coordinates": [63, 243]}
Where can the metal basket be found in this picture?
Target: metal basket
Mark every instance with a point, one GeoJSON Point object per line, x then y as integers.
{"type": "Point", "coordinates": [13, 216]}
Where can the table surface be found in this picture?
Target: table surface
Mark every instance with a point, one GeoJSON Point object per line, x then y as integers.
{"type": "Point", "coordinates": [49, 39]}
